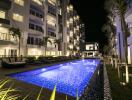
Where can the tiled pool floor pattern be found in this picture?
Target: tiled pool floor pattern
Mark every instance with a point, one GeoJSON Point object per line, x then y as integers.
{"type": "Point", "coordinates": [69, 77]}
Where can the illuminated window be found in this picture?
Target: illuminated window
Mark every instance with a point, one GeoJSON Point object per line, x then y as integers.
{"type": "Point", "coordinates": [60, 11]}
{"type": "Point", "coordinates": [89, 47]}
{"type": "Point", "coordinates": [68, 53]}
{"type": "Point", "coordinates": [71, 33]}
{"type": "Point", "coordinates": [68, 9]}
{"type": "Point", "coordinates": [71, 46]}
{"type": "Point", "coordinates": [77, 27]}
{"type": "Point", "coordinates": [47, 53]}
{"type": "Point", "coordinates": [52, 53]}
{"type": "Point", "coordinates": [51, 20]}
{"type": "Point", "coordinates": [68, 39]}
{"type": "Point", "coordinates": [4, 34]}
{"type": "Point", "coordinates": [4, 30]}
{"type": "Point", "coordinates": [53, 2]}
{"type": "Point", "coordinates": [2, 14]}
{"type": "Point", "coordinates": [78, 48]}
{"type": "Point", "coordinates": [68, 24]}
{"type": "Point", "coordinates": [75, 42]}
{"type": "Point", "coordinates": [19, 2]}
{"type": "Point", "coordinates": [71, 20]}
{"type": "Point", "coordinates": [38, 2]}
{"type": "Point", "coordinates": [78, 38]}
{"type": "Point", "coordinates": [18, 17]}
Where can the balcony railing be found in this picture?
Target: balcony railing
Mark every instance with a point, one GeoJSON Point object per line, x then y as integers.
{"type": "Point", "coordinates": [5, 21]}
{"type": "Point", "coordinates": [5, 4]}
{"type": "Point", "coordinates": [52, 10]}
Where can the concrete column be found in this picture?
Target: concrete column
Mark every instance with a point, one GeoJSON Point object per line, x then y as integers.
{"type": "Point", "coordinates": [127, 74]}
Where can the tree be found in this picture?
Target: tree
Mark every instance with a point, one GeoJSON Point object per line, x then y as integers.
{"type": "Point", "coordinates": [110, 32]}
{"type": "Point", "coordinates": [119, 8]}
{"type": "Point", "coordinates": [15, 32]}
{"type": "Point", "coordinates": [58, 42]}
{"type": "Point", "coordinates": [106, 49]}
{"type": "Point", "coordinates": [44, 43]}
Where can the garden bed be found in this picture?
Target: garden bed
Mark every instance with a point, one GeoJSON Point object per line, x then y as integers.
{"type": "Point", "coordinates": [119, 92]}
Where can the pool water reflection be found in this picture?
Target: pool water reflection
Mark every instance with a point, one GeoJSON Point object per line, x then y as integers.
{"type": "Point", "coordinates": [69, 77]}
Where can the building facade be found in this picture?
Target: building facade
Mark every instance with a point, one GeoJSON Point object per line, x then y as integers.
{"type": "Point", "coordinates": [48, 27]}
{"type": "Point", "coordinates": [120, 37]}
{"type": "Point", "coordinates": [91, 49]}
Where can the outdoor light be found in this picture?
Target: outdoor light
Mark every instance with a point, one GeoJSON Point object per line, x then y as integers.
{"type": "Point", "coordinates": [71, 7]}
{"type": "Point", "coordinates": [74, 18]}
{"type": "Point", "coordinates": [71, 20]}
{"type": "Point", "coordinates": [77, 17]}
{"type": "Point", "coordinates": [71, 33]}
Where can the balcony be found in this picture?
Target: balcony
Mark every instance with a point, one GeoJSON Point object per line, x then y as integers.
{"type": "Point", "coordinates": [52, 10]}
{"type": "Point", "coordinates": [5, 42]}
{"type": "Point", "coordinates": [51, 34]}
{"type": "Point", "coordinates": [4, 21]}
{"type": "Point", "coordinates": [36, 11]}
{"type": "Point", "coordinates": [6, 39]}
{"type": "Point", "coordinates": [5, 4]}
{"type": "Point", "coordinates": [52, 2]}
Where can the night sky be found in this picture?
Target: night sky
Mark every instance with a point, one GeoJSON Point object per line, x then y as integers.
{"type": "Point", "coordinates": [93, 15]}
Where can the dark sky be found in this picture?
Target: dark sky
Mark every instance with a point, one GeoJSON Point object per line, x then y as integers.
{"type": "Point", "coordinates": [93, 15]}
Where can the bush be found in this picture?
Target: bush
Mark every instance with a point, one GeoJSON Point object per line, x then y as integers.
{"type": "Point", "coordinates": [30, 59]}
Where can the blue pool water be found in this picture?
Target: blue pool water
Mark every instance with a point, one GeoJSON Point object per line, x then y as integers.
{"type": "Point", "coordinates": [69, 77]}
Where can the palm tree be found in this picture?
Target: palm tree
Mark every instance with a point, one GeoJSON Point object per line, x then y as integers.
{"type": "Point", "coordinates": [110, 31]}
{"type": "Point", "coordinates": [15, 32]}
{"type": "Point", "coordinates": [58, 42]}
{"type": "Point", "coordinates": [119, 7]}
{"type": "Point", "coordinates": [44, 43]}
{"type": "Point", "coordinates": [74, 49]}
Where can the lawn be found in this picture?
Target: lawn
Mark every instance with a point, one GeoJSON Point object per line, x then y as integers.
{"type": "Point", "coordinates": [118, 91]}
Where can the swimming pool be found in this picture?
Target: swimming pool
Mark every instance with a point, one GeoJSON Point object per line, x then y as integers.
{"type": "Point", "coordinates": [69, 77]}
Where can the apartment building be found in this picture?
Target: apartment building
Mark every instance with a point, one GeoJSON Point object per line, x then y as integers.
{"type": "Point", "coordinates": [120, 37]}
{"type": "Point", "coordinates": [73, 31]}
{"type": "Point", "coordinates": [129, 23]}
{"type": "Point", "coordinates": [48, 27]}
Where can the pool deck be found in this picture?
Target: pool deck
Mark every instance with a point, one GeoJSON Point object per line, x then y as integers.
{"type": "Point", "coordinates": [30, 89]}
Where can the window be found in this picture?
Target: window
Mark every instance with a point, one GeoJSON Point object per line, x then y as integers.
{"type": "Point", "coordinates": [32, 40]}
{"type": "Point", "coordinates": [60, 11]}
{"type": "Point", "coordinates": [32, 12]}
{"type": "Point", "coordinates": [31, 26]}
{"type": "Point", "coordinates": [35, 27]}
{"type": "Point", "coordinates": [28, 40]}
{"type": "Point", "coordinates": [2, 14]}
{"type": "Point", "coordinates": [52, 10]}
{"type": "Point", "coordinates": [51, 21]}
{"type": "Point", "coordinates": [18, 17]}
{"type": "Point", "coordinates": [35, 13]}
{"type": "Point", "coordinates": [68, 38]}
{"type": "Point", "coordinates": [19, 2]}
{"type": "Point", "coordinates": [36, 41]}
